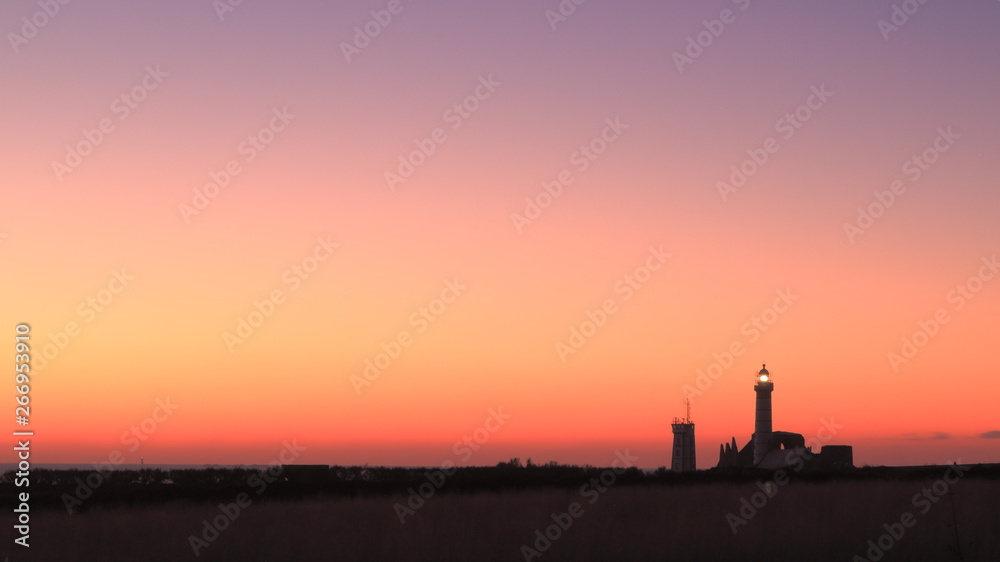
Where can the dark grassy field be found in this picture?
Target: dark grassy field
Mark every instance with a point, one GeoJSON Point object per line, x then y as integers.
{"type": "Point", "coordinates": [802, 521]}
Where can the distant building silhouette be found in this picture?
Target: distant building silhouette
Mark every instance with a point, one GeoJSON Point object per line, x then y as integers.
{"type": "Point", "coordinates": [778, 449]}
{"type": "Point", "coordinates": [683, 459]}
{"type": "Point", "coordinates": [762, 420]}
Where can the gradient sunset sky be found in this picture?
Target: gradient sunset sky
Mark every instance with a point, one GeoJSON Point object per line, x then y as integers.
{"type": "Point", "coordinates": [866, 244]}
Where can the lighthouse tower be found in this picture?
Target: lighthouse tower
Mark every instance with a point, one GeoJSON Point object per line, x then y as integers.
{"type": "Point", "coordinates": [683, 456]}
{"type": "Point", "coordinates": [762, 423]}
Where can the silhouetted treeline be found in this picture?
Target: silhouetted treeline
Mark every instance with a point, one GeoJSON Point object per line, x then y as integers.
{"type": "Point", "coordinates": [80, 490]}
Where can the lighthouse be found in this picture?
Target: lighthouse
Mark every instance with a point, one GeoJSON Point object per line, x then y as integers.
{"type": "Point", "coordinates": [773, 450]}
{"type": "Point", "coordinates": [762, 424]}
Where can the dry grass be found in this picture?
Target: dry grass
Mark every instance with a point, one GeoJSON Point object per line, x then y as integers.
{"type": "Point", "coordinates": [829, 521]}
